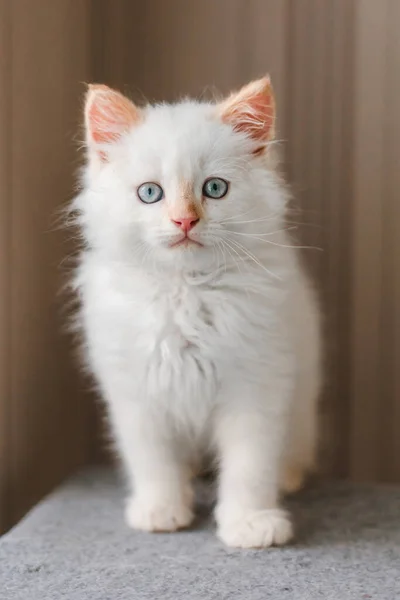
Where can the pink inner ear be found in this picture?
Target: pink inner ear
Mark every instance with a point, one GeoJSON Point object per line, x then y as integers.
{"type": "Point", "coordinates": [256, 117]}
{"type": "Point", "coordinates": [252, 110]}
{"type": "Point", "coordinates": [109, 115]}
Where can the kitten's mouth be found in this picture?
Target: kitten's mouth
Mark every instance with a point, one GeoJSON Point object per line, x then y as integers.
{"type": "Point", "coordinates": [185, 242]}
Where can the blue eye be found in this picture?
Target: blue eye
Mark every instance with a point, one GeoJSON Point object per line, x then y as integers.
{"type": "Point", "coordinates": [215, 188]}
{"type": "Point", "coordinates": [150, 192]}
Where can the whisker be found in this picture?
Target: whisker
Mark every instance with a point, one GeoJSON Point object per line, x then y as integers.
{"type": "Point", "coordinates": [262, 219]}
{"type": "Point", "coordinates": [236, 262]}
{"type": "Point", "coordinates": [259, 220]}
{"type": "Point", "coordinates": [239, 215]}
{"type": "Point", "coordinates": [280, 245]}
{"type": "Point", "coordinates": [302, 224]}
{"type": "Point", "coordinates": [276, 142]}
{"type": "Point", "coordinates": [217, 249]}
{"type": "Point", "coordinates": [225, 245]}
{"type": "Point", "coordinates": [226, 242]}
{"type": "Point", "coordinates": [248, 234]}
{"type": "Point", "coordinates": [254, 259]}
{"type": "Point", "coordinates": [222, 253]}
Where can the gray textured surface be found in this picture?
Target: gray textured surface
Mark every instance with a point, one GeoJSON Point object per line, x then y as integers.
{"type": "Point", "coordinates": [76, 546]}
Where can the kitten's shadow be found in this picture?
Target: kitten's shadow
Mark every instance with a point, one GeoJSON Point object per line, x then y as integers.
{"type": "Point", "coordinates": [327, 513]}
{"type": "Point", "coordinates": [335, 513]}
{"type": "Point", "coordinates": [206, 494]}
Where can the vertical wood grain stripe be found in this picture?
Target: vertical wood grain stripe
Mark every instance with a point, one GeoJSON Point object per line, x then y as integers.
{"type": "Point", "coordinates": [384, 402]}
{"type": "Point", "coordinates": [388, 405]}
{"type": "Point", "coordinates": [394, 67]}
{"type": "Point", "coordinates": [367, 236]}
{"type": "Point", "coordinates": [48, 428]}
{"type": "Point", "coordinates": [5, 256]}
{"type": "Point", "coordinates": [335, 201]}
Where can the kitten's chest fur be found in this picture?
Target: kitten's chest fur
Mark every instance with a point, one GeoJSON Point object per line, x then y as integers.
{"type": "Point", "coordinates": [173, 319]}
{"type": "Point", "coordinates": [174, 338]}
{"type": "Point", "coordinates": [184, 318]}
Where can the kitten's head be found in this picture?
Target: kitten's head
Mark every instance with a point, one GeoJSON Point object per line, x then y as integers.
{"type": "Point", "coordinates": [177, 183]}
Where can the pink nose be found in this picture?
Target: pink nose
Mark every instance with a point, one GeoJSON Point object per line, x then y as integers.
{"type": "Point", "coordinates": [186, 223]}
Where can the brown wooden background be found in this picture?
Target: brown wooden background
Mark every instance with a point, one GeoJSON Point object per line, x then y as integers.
{"type": "Point", "coordinates": [336, 70]}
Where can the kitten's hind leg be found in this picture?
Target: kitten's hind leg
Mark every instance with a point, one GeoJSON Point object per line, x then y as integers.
{"type": "Point", "coordinates": [293, 478]}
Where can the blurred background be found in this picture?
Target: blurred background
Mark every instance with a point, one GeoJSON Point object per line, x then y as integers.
{"type": "Point", "coordinates": [335, 65]}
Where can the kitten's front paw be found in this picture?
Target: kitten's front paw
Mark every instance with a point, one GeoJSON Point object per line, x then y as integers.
{"type": "Point", "coordinates": [157, 515]}
{"type": "Point", "coordinates": [254, 528]}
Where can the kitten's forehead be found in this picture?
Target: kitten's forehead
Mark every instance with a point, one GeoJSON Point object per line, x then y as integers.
{"type": "Point", "coordinates": [181, 117]}
{"type": "Point", "coordinates": [187, 127]}
{"type": "Point", "coordinates": [181, 138]}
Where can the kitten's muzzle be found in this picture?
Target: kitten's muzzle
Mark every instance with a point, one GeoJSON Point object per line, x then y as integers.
{"type": "Point", "coordinates": [185, 241]}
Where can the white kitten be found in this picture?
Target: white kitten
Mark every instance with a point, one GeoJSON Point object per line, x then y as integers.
{"type": "Point", "coordinates": [200, 326]}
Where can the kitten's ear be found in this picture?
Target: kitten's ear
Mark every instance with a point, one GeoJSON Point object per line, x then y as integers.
{"type": "Point", "coordinates": [108, 115]}
{"type": "Point", "coordinates": [252, 111]}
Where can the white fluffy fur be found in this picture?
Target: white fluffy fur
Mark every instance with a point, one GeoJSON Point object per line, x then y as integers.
{"type": "Point", "coordinates": [200, 352]}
